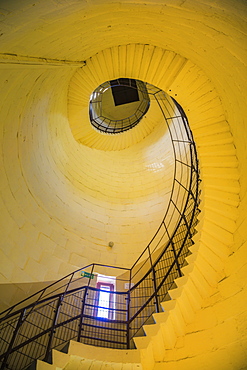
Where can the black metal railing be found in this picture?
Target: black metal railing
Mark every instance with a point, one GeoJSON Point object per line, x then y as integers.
{"type": "Point", "coordinates": [68, 308]}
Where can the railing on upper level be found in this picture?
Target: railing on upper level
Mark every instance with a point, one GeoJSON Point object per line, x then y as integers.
{"type": "Point", "coordinates": [98, 115]}
{"type": "Point", "coordinates": [70, 308]}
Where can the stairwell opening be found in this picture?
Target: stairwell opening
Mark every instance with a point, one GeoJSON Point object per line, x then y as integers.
{"type": "Point", "coordinates": [118, 105]}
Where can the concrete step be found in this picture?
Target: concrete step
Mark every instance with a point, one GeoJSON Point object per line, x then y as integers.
{"type": "Point", "coordinates": [81, 356]}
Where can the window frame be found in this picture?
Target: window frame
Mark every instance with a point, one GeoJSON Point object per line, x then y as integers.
{"type": "Point", "coordinates": [111, 312]}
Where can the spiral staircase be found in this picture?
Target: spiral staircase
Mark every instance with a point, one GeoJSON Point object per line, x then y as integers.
{"type": "Point", "coordinates": [196, 51]}
{"type": "Point", "coordinates": [67, 310]}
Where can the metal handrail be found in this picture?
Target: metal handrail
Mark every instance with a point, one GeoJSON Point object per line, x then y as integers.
{"type": "Point", "coordinates": [7, 313]}
{"type": "Point", "coordinates": [66, 309]}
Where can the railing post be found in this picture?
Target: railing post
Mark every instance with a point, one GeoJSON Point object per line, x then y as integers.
{"type": "Point", "coordinates": [89, 279]}
{"type": "Point", "coordinates": [176, 259]}
{"type": "Point", "coordinates": [52, 331]}
{"type": "Point", "coordinates": [174, 252]}
{"type": "Point", "coordinates": [82, 313]}
{"type": "Point", "coordinates": [69, 282]}
{"type": "Point", "coordinates": [11, 343]}
{"type": "Point", "coordinates": [154, 283]}
{"type": "Point", "coordinates": [83, 305]}
{"type": "Point", "coordinates": [128, 320]}
{"type": "Point", "coordinates": [128, 314]}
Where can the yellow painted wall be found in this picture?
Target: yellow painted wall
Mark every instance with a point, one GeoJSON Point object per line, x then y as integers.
{"type": "Point", "coordinates": [65, 201]}
{"type": "Point", "coordinates": [36, 245]}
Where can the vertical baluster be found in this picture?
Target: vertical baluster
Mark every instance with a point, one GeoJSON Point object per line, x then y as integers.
{"type": "Point", "coordinates": [128, 314]}
{"type": "Point", "coordinates": [82, 313]}
{"type": "Point", "coordinates": [52, 330]}
{"type": "Point", "coordinates": [83, 305]}
{"type": "Point", "coordinates": [176, 259]}
{"type": "Point", "coordinates": [156, 302]}
{"type": "Point", "coordinates": [14, 336]}
{"type": "Point", "coordinates": [69, 282]}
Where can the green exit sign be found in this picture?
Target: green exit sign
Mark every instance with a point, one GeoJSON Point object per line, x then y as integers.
{"type": "Point", "coordinates": [87, 274]}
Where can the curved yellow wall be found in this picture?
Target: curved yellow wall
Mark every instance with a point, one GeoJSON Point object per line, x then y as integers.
{"type": "Point", "coordinates": [70, 200]}
{"type": "Point", "coordinates": [36, 168]}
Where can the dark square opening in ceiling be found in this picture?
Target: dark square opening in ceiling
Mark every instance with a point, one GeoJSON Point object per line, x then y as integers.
{"type": "Point", "coordinates": [124, 91]}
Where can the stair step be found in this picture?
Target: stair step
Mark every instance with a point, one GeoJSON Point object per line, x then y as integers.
{"type": "Point", "coordinates": [83, 356]}
{"type": "Point", "coordinates": [105, 354]}
{"type": "Point", "coordinates": [45, 366]}
{"type": "Point", "coordinates": [59, 358]}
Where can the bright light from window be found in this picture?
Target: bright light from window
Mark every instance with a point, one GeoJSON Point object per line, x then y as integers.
{"type": "Point", "coordinates": [104, 302]}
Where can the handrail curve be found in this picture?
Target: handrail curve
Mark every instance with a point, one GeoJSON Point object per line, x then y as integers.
{"type": "Point", "coordinates": [69, 308]}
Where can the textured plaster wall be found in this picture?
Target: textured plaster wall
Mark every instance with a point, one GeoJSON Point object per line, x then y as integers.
{"type": "Point", "coordinates": [65, 201]}
{"type": "Point", "coordinates": [212, 36]}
